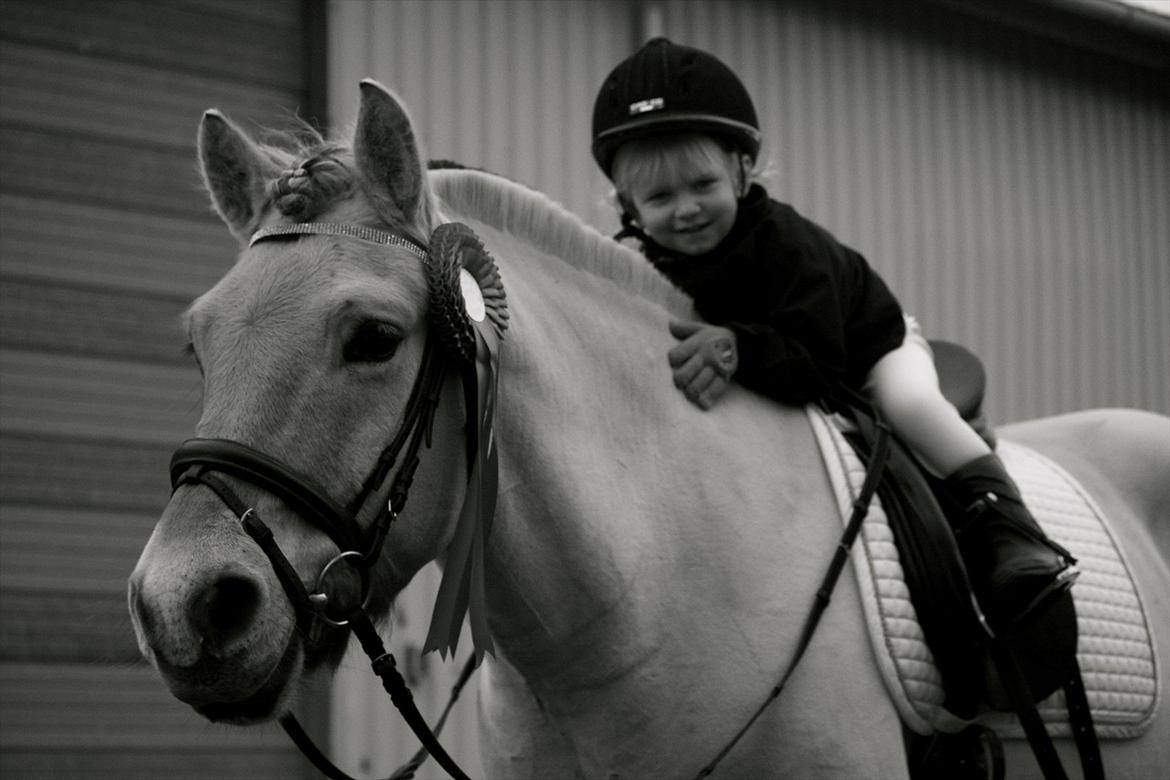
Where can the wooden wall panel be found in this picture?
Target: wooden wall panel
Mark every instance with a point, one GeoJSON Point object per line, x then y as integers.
{"type": "Point", "coordinates": [38, 470]}
{"type": "Point", "coordinates": [112, 248]}
{"type": "Point", "coordinates": [38, 543]}
{"type": "Point", "coordinates": [105, 237]}
{"type": "Point", "coordinates": [89, 170]}
{"type": "Point", "coordinates": [93, 322]}
{"type": "Point", "coordinates": [200, 763]}
{"type": "Point", "coordinates": [261, 47]}
{"type": "Point", "coordinates": [78, 628]}
{"type": "Point", "coordinates": [81, 617]}
{"type": "Point", "coordinates": [71, 90]}
{"type": "Point", "coordinates": [97, 398]}
{"type": "Point", "coordinates": [54, 706]}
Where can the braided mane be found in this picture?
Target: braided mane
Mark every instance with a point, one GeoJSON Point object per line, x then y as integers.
{"type": "Point", "coordinates": [316, 174]}
{"type": "Point", "coordinates": [301, 192]}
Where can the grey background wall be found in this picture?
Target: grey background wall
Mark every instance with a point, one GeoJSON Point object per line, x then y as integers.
{"type": "Point", "coordinates": [105, 237]}
{"type": "Point", "coordinates": [1004, 164]}
{"type": "Point", "coordinates": [1013, 187]}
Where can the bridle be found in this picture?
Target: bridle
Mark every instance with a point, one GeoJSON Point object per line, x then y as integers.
{"type": "Point", "coordinates": [206, 461]}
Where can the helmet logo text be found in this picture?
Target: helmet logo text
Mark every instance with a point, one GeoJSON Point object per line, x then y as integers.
{"type": "Point", "coordinates": [644, 106]}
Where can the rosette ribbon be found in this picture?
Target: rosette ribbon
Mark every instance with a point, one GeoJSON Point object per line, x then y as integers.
{"type": "Point", "coordinates": [469, 312]}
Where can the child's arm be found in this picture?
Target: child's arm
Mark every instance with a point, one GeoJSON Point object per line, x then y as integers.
{"type": "Point", "coordinates": [791, 361]}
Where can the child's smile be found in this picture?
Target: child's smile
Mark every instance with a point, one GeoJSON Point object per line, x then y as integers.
{"type": "Point", "coordinates": [687, 210]}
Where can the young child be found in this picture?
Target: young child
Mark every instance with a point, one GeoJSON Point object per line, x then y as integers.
{"type": "Point", "coordinates": [790, 312]}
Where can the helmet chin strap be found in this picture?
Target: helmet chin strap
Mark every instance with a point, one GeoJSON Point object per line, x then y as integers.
{"type": "Point", "coordinates": [745, 174]}
{"type": "Point", "coordinates": [630, 228]}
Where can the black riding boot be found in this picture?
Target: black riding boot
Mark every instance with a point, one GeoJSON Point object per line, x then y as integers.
{"type": "Point", "coordinates": [1015, 570]}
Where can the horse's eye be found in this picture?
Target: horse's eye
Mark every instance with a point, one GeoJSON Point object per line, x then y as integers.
{"type": "Point", "coordinates": [372, 342]}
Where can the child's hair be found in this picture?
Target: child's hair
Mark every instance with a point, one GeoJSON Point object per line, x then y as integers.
{"type": "Point", "coordinates": [643, 159]}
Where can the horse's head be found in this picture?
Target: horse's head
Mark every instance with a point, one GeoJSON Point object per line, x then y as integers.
{"type": "Point", "coordinates": [310, 348]}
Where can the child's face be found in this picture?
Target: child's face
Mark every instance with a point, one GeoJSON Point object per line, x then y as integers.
{"type": "Point", "coordinates": [687, 203]}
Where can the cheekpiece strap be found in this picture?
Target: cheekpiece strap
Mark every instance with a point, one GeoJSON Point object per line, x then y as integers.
{"type": "Point", "coordinates": [362, 232]}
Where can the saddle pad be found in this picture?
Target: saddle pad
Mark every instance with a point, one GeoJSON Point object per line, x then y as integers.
{"type": "Point", "coordinates": [1115, 648]}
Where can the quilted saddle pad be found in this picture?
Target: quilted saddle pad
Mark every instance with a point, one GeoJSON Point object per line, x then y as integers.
{"type": "Point", "coordinates": [1115, 648]}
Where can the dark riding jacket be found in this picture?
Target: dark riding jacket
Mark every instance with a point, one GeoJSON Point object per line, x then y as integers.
{"type": "Point", "coordinates": [808, 312]}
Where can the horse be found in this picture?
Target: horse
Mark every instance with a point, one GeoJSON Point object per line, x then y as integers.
{"type": "Point", "coordinates": [649, 564]}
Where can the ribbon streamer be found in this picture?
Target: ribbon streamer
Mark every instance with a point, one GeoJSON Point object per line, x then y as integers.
{"type": "Point", "coordinates": [461, 591]}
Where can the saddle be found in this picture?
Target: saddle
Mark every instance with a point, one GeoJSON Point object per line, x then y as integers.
{"type": "Point", "coordinates": [978, 670]}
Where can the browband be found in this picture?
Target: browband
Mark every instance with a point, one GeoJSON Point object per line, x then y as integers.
{"type": "Point", "coordinates": [339, 229]}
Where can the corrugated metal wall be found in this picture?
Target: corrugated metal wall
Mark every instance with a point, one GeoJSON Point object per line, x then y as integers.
{"type": "Point", "coordinates": [496, 85]}
{"type": "Point", "coordinates": [1014, 191]}
{"type": "Point", "coordinates": [105, 237]}
{"type": "Point", "coordinates": [505, 86]}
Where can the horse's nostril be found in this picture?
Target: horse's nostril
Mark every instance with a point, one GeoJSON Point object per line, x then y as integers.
{"type": "Point", "coordinates": [224, 611]}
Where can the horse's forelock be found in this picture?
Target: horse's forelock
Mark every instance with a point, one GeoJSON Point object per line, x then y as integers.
{"type": "Point", "coordinates": [312, 183]}
{"type": "Point", "coordinates": [318, 175]}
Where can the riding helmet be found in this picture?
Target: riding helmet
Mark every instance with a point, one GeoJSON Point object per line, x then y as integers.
{"type": "Point", "coordinates": [665, 87]}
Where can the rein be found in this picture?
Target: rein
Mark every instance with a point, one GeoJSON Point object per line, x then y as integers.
{"type": "Point", "coordinates": [873, 473]}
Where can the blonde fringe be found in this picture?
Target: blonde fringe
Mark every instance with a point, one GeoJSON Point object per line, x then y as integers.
{"type": "Point", "coordinates": [520, 211]}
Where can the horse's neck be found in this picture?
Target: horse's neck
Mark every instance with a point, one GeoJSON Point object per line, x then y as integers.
{"type": "Point", "coordinates": [613, 488]}
{"type": "Point", "coordinates": [584, 383]}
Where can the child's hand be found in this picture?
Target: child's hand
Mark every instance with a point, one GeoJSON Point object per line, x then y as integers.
{"type": "Point", "coordinates": [703, 361]}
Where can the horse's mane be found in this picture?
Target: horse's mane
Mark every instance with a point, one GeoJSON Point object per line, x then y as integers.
{"type": "Point", "coordinates": [316, 171]}
{"type": "Point", "coordinates": [523, 212]}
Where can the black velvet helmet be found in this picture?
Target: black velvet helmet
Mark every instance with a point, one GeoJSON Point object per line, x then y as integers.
{"type": "Point", "coordinates": [666, 88]}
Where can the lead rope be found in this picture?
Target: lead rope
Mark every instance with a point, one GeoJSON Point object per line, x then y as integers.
{"type": "Point", "coordinates": [873, 474]}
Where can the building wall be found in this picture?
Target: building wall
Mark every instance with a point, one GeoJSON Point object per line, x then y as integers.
{"type": "Point", "coordinates": [1014, 190]}
{"type": "Point", "coordinates": [105, 237]}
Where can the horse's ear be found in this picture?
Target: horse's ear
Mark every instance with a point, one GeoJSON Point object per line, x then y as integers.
{"type": "Point", "coordinates": [235, 171]}
{"type": "Point", "coordinates": [386, 153]}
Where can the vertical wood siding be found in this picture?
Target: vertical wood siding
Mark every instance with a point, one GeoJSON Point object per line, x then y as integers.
{"type": "Point", "coordinates": [105, 236]}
